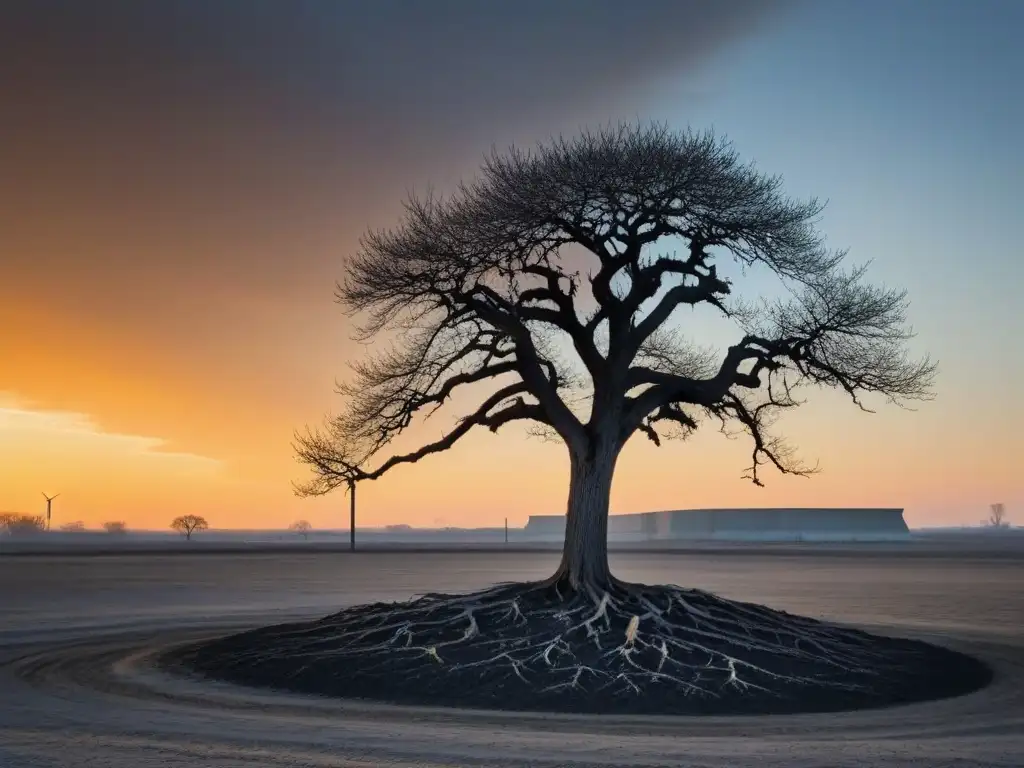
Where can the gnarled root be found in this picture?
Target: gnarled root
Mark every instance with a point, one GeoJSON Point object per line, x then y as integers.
{"type": "Point", "coordinates": [613, 648]}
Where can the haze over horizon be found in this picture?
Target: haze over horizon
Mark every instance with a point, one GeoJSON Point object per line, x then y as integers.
{"type": "Point", "coordinates": [184, 182]}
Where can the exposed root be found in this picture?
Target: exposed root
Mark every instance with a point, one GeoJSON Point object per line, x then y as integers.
{"type": "Point", "coordinates": [623, 648]}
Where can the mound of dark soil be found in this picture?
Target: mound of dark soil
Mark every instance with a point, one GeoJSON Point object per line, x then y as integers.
{"type": "Point", "coordinates": [629, 650]}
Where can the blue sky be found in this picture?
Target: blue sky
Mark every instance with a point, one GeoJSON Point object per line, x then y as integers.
{"type": "Point", "coordinates": [908, 117]}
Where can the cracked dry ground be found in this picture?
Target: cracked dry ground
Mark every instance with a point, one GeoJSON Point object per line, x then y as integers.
{"type": "Point", "coordinates": [629, 648]}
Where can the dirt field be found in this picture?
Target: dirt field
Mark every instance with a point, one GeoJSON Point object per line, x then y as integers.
{"type": "Point", "coordinates": [76, 687]}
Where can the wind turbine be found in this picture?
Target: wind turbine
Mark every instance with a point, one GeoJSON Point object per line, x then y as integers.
{"type": "Point", "coordinates": [49, 504]}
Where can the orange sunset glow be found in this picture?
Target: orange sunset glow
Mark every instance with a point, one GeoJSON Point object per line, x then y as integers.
{"type": "Point", "coordinates": [172, 232]}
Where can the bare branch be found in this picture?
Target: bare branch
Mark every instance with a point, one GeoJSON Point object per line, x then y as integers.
{"type": "Point", "coordinates": [842, 332]}
{"type": "Point", "coordinates": [756, 417]}
{"type": "Point", "coordinates": [333, 463]}
{"type": "Point", "coordinates": [390, 388]}
{"type": "Point", "coordinates": [686, 424]}
{"type": "Point", "coordinates": [838, 332]}
{"type": "Point", "coordinates": [667, 351]}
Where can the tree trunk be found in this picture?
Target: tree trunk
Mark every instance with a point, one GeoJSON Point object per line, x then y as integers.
{"type": "Point", "coordinates": [584, 564]}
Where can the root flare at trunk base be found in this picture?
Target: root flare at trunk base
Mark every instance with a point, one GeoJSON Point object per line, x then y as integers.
{"type": "Point", "coordinates": [600, 647]}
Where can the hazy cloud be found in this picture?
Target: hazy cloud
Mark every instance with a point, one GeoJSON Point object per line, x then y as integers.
{"type": "Point", "coordinates": [23, 428]}
{"type": "Point", "coordinates": [216, 98]}
{"type": "Point", "coordinates": [409, 68]}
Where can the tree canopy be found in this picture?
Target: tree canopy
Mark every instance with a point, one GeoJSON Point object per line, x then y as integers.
{"type": "Point", "coordinates": [556, 277]}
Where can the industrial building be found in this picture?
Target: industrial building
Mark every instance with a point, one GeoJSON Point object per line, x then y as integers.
{"type": "Point", "coordinates": [781, 524]}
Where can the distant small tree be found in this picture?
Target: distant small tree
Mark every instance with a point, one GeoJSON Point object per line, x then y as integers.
{"type": "Point", "coordinates": [188, 524]}
{"type": "Point", "coordinates": [115, 527]}
{"type": "Point", "coordinates": [997, 516]}
{"type": "Point", "coordinates": [301, 527]}
{"type": "Point", "coordinates": [16, 524]}
{"type": "Point", "coordinates": [76, 527]}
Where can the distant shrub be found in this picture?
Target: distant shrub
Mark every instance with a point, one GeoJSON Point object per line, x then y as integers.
{"type": "Point", "coordinates": [76, 527]}
{"type": "Point", "coordinates": [15, 524]}
{"type": "Point", "coordinates": [301, 527]}
{"type": "Point", "coordinates": [115, 526]}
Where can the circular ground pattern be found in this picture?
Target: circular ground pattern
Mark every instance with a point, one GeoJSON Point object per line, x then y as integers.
{"type": "Point", "coordinates": [80, 685]}
{"type": "Point", "coordinates": [629, 649]}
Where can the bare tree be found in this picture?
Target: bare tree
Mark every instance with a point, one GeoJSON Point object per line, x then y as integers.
{"type": "Point", "coordinates": [74, 527]}
{"type": "Point", "coordinates": [19, 525]}
{"type": "Point", "coordinates": [189, 524]}
{"type": "Point", "coordinates": [997, 516]}
{"type": "Point", "coordinates": [484, 287]}
{"type": "Point", "coordinates": [301, 527]}
{"type": "Point", "coordinates": [336, 463]}
{"type": "Point", "coordinates": [115, 527]}
{"type": "Point", "coordinates": [558, 288]}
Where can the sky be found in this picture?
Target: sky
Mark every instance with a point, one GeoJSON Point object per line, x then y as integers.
{"type": "Point", "coordinates": [183, 182]}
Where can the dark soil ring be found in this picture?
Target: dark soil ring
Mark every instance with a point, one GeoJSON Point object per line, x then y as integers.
{"type": "Point", "coordinates": [631, 649]}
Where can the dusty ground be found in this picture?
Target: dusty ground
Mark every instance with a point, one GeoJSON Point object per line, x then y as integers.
{"type": "Point", "coordinates": [76, 688]}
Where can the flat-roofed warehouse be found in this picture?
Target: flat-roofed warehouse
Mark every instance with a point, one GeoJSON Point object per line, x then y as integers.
{"type": "Point", "coordinates": [776, 524]}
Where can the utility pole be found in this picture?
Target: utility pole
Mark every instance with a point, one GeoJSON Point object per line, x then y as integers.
{"type": "Point", "coordinates": [506, 530]}
{"type": "Point", "coordinates": [352, 515]}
